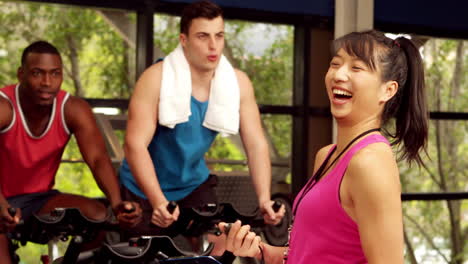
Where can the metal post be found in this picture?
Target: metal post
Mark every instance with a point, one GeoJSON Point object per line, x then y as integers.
{"type": "Point", "coordinates": [301, 102]}
{"type": "Point", "coordinates": [144, 47]}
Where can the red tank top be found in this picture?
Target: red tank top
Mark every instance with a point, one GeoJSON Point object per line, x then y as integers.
{"type": "Point", "coordinates": [28, 164]}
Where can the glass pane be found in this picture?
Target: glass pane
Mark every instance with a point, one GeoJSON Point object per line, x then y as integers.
{"type": "Point", "coordinates": [446, 164]}
{"type": "Point", "coordinates": [97, 46]}
{"type": "Point", "coordinates": [434, 233]}
{"type": "Point", "coordinates": [265, 53]}
{"type": "Point", "coordinates": [446, 70]}
{"type": "Point", "coordinates": [279, 135]}
{"type": "Point", "coordinates": [227, 154]}
{"type": "Point", "coordinates": [166, 33]}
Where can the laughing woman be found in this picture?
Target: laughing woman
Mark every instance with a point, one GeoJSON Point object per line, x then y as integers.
{"type": "Point", "coordinates": [350, 210]}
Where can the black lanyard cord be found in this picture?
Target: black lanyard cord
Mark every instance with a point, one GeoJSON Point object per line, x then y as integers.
{"type": "Point", "coordinates": [323, 168]}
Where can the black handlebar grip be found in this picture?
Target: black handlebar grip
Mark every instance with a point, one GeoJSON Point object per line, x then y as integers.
{"type": "Point", "coordinates": [227, 228]}
{"type": "Point", "coordinates": [276, 206]}
{"type": "Point", "coordinates": [131, 210]}
{"type": "Point", "coordinates": [171, 207]}
{"type": "Point", "coordinates": [12, 211]}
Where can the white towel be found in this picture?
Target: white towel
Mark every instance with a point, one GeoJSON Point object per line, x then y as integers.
{"type": "Point", "coordinates": [222, 114]}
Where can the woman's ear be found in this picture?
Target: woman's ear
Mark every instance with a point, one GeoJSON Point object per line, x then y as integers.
{"type": "Point", "coordinates": [390, 88]}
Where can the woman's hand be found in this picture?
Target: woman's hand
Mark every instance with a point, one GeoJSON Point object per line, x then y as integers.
{"type": "Point", "coordinates": [240, 240]}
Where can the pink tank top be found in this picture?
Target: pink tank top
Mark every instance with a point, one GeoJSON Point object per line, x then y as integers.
{"type": "Point", "coordinates": [28, 164]}
{"type": "Point", "coordinates": [323, 232]}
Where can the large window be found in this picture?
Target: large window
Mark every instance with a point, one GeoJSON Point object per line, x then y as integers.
{"type": "Point", "coordinates": [97, 52]}
{"type": "Point", "coordinates": [436, 232]}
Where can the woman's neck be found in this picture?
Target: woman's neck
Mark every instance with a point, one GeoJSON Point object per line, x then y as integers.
{"type": "Point", "coordinates": [346, 133]}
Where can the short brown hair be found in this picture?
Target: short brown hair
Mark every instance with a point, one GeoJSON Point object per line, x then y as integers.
{"type": "Point", "coordinates": [203, 9]}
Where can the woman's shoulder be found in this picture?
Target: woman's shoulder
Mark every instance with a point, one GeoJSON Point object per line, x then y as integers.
{"type": "Point", "coordinates": [323, 152]}
{"type": "Point", "coordinates": [376, 151]}
{"type": "Point", "coordinates": [321, 155]}
{"type": "Point", "coordinates": [374, 164]}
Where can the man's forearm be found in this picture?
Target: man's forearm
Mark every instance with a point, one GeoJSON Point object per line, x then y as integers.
{"type": "Point", "coordinates": [107, 181]}
{"type": "Point", "coordinates": [260, 169]}
{"type": "Point", "coordinates": [143, 171]}
{"type": "Point", "coordinates": [262, 187]}
{"type": "Point", "coordinates": [3, 201]}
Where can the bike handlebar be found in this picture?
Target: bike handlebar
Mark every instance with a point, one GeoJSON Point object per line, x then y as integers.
{"type": "Point", "coordinates": [158, 249]}
{"type": "Point", "coordinates": [171, 206]}
{"type": "Point", "coordinates": [64, 222]}
{"type": "Point", "coordinates": [60, 223]}
{"type": "Point", "coordinates": [129, 211]}
{"type": "Point", "coordinates": [206, 220]}
{"type": "Point", "coordinates": [12, 211]}
{"type": "Point", "coordinates": [276, 206]}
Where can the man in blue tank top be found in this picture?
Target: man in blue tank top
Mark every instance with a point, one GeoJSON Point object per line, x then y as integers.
{"type": "Point", "coordinates": [167, 164]}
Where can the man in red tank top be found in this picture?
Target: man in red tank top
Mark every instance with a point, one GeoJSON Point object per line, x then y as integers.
{"type": "Point", "coordinates": [36, 122]}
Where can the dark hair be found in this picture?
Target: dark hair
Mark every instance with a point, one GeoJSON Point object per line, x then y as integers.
{"type": "Point", "coordinates": [399, 60]}
{"type": "Point", "coordinates": [38, 47]}
{"type": "Point", "coordinates": [203, 9]}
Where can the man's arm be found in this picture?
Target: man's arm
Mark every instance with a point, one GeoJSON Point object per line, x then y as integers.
{"type": "Point", "coordinates": [256, 148]}
{"type": "Point", "coordinates": [376, 196]}
{"type": "Point", "coordinates": [141, 127]}
{"type": "Point", "coordinates": [6, 113]}
{"type": "Point", "coordinates": [6, 117]}
{"type": "Point", "coordinates": [81, 122]}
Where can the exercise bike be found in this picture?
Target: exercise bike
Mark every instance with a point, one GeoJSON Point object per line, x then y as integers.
{"type": "Point", "coordinates": [69, 222]}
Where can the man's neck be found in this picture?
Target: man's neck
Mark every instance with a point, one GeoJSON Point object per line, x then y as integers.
{"type": "Point", "coordinates": [201, 84]}
{"type": "Point", "coordinates": [31, 110]}
{"type": "Point", "coordinates": [201, 78]}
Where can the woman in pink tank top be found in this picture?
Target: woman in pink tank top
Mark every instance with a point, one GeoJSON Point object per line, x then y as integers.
{"type": "Point", "coordinates": [350, 210]}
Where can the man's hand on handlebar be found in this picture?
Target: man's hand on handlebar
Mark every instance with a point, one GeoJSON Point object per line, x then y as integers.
{"type": "Point", "coordinates": [128, 213]}
{"type": "Point", "coordinates": [272, 215]}
{"type": "Point", "coordinates": [165, 214]}
{"type": "Point", "coordinates": [9, 218]}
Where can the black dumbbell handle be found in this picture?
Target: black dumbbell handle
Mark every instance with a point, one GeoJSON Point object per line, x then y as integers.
{"type": "Point", "coordinates": [128, 211]}
{"type": "Point", "coordinates": [276, 206]}
{"type": "Point", "coordinates": [227, 227]}
{"type": "Point", "coordinates": [12, 211]}
{"type": "Point", "coordinates": [171, 207]}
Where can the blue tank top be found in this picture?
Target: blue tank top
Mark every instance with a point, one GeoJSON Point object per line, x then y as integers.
{"type": "Point", "coordinates": [177, 155]}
